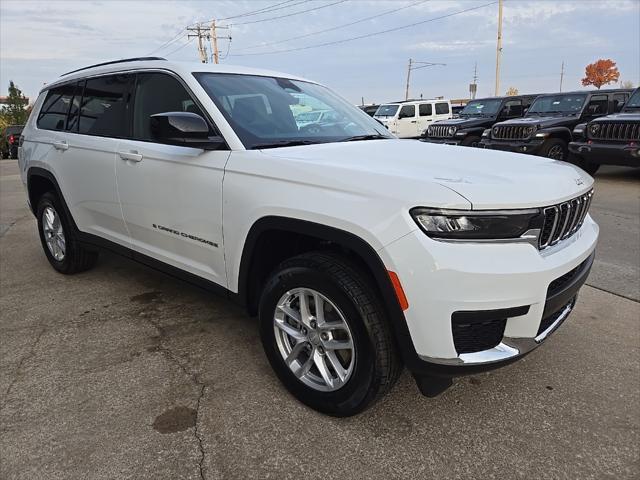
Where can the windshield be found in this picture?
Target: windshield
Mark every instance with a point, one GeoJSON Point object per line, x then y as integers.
{"type": "Point", "coordinates": [265, 111]}
{"type": "Point", "coordinates": [481, 107]}
{"type": "Point", "coordinates": [634, 101]}
{"type": "Point", "coordinates": [564, 104]}
{"type": "Point", "coordinates": [386, 110]}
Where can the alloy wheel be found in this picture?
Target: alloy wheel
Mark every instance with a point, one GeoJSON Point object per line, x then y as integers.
{"type": "Point", "coordinates": [314, 339]}
{"type": "Point", "coordinates": [53, 233]}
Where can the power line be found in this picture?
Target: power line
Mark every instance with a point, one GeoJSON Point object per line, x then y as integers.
{"type": "Point", "coordinates": [336, 27]}
{"type": "Point", "coordinates": [169, 42]}
{"type": "Point", "coordinates": [266, 9]}
{"type": "Point", "coordinates": [291, 14]}
{"type": "Point", "coordinates": [179, 48]}
{"type": "Point", "coordinates": [368, 35]}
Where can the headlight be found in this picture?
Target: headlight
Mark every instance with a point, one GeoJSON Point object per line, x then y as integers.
{"type": "Point", "coordinates": [486, 133]}
{"type": "Point", "coordinates": [451, 131]}
{"type": "Point", "coordinates": [475, 225]}
{"type": "Point", "coordinates": [594, 128]}
{"type": "Point", "coordinates": [430, 131]}
{"type": "Point", "coordinates": [529, 130]}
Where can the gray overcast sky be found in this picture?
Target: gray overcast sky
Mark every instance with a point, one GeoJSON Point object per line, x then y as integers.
{"type": "Point", "coordinates": [41, 40]}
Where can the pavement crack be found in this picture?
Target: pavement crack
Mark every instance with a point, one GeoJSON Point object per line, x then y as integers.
{"type": "Point", "coordinates": [612, 293]}
{"type": "Point", "coordinates": [21, 363]}
{"type": "Point", "coordinates": [191, 375]}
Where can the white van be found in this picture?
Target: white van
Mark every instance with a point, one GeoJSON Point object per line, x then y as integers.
{"type": "Point", "coordinates": [410, 119]}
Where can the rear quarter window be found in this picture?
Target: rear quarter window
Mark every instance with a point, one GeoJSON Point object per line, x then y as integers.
{"type": "Point", "coordinates": [53, 114]}
{"type": "Point", "coordinates": [442, 108]}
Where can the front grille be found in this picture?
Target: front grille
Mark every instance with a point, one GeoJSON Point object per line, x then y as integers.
{"type": "Point", "coordinates": [616, 131]}
{"type": "Point", "coordinates": [548, 321]}
{"type": "Point", "coordinates": [511, 132]}
{"type": "Point", "coordinates": [439, 131]}
{"type": "Point", "coordinates": [559, 283]}
{"type": "Point", "coordinates": [563, 220]}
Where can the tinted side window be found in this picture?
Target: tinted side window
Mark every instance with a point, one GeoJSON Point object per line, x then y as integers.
{"type": "Point", "coordinates": [442, 108]}
{"type": "Point", "coordinates": [158, 93]}
{"type": "Point", "coordinates": [619, 99]}
{"type": "Point", "coordinates": [512, 108]}
{"type": "Point", "coordinates": [407, 111]}
{"type": "Point", "coordinates": [103, 111]}
{"type": "Point", "coordinates": [597, 105]}
{"type": "Point", "coordinates": [425, 109]}
{"type": "Point", "coordinates": [53, 114]}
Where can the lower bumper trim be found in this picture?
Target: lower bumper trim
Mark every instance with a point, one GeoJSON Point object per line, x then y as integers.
{"type": "Point", "coordinates": [509, 348]}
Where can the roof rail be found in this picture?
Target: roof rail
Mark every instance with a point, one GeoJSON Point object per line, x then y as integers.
{"type": "Point", "coordinates": [124, 60]}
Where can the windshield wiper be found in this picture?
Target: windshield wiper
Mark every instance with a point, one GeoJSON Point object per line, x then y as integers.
{"type": "Point", "coordinates": [284, 143]}
{"type": "Point", "coordinates": [356, 138]}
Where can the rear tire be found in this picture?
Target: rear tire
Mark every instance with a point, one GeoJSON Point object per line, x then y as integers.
{"type": "Point", "coordinates": [57, 236]}
{"type": "Point", "coordinates": [555, 149]}
{"type": "Point", "coordinates": [350, 314]}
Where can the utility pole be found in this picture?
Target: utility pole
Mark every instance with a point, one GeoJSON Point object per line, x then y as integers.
{"type": "Point", "coordinates": [202, 51]}
{"type": "Point", "coordinates": [413, 65]}
{"type": "Point", "coordinates": [210, 35]}
{"type": "Point", "coordinates": [498, 48]}
{"type": "Point", "coordinates": [561, 75]}
{"type": "Point", "coordinates": [406, 92]}
{"type": "Point", "coordinates": [213, 37]}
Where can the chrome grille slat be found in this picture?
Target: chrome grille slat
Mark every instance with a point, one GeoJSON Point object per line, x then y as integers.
{"type": "Point", "coordinates": [563, 220]}
{"type": "Point", "coordinates": [510, 132]}
{"type": "Point", "coordinates": [439, 131]}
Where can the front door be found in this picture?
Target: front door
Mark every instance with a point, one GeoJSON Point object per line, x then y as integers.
{"type": "Point", "coordinates": [407, 122]}
{"type": "Point", "coordinates": [171, 196]}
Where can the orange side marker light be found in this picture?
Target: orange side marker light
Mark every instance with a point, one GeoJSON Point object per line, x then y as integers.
{"type": "Point", "coordinates": [397, 286]}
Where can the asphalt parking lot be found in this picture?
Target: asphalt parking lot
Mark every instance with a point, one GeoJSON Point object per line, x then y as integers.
{"type": "Point", "coordinates": [123, 372]}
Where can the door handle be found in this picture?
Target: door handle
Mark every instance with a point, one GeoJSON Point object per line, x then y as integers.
{"type": "Point", "coordinates": [413, 121]}
{"type": "Point", "coordinates": [131, 156]}
{"type": "Point", "coordinates": [62, 145]}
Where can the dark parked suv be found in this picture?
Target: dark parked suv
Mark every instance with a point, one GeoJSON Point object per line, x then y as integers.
{"type": "Point", "coordinates": [546, 128]}
{"type": "Point", "coordinates": [9, 141]}
{"type": "Point", "coordinates": [474, 118]}
{"type": "Point", "coordinates": [610, 140]}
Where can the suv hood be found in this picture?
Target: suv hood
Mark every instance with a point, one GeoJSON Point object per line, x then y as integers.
{"type": "Point", "coordinates": [467, 122]}
{"type": "Point", "coordinates": [544, 122]}
{"type": "Point", "coordinates": [409, 169]}
{"type": "Point", "coordinates": [628, 116]}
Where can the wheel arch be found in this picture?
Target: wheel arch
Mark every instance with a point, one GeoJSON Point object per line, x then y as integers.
{"type": "Point", "coordinates": [561, 133]}
{"type": "Point", "coordinates": [252, 273]}
{"type": "Point", "coordinates": [40, 181]}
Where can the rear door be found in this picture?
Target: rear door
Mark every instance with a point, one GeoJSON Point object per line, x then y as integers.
{"type": "Point", "coordinates": [443, 111]}
{"type": "Point", "coordinates": [79, 121]}
{"type": "Point", "coordinates": [425, 117]}
{"type": "Point", "coordinates": [171, 196]}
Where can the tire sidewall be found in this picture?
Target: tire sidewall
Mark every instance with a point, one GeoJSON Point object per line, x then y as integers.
{"type": "Point", "coordinates": [357, 389]}
{"type": "Point", "coordinates": [552, 143]}
{"type": "Point", "coordinates": [50, 200]}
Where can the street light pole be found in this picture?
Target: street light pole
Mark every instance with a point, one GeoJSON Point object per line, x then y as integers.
{"type": "Point", "coordinates": [413, 65]}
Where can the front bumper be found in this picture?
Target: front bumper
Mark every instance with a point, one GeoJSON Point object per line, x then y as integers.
{"type": "Point", "coordinates": [441, 141]}
{"type": "Point", "coordinates": [531, 146]}
{"type": "Point", "coordinates": [510, 280]}
{"type": "Point", "coordinates": [607, 154]}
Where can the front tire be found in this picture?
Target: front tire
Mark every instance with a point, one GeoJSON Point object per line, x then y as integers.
{"type": "Point", "coordinates": [555, 149]}
{"type": "Point", "coordinates": [62, 249]}
{"type": "Point", "coordinates": [326, 335]}
{"type": "Point", "coordinates": [471, 141]}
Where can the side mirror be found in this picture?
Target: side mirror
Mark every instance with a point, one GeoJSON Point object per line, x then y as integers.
{"type": "Point", "coordinates": [185, 129]}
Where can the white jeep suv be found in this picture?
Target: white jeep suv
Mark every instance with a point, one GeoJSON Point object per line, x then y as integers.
{"type": "Point", "coordinates": [359, 252]}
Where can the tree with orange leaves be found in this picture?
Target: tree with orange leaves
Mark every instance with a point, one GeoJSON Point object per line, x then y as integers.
{"type": "Point", "coordinates": [601, 72]}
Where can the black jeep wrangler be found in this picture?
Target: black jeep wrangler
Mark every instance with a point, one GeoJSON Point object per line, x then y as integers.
{"type": "Point", "coordinates": [610, 140]}
{"type": "Point", "coordinates": [546, 128]}
{"type": "Point", "coordinates": [474, 118]}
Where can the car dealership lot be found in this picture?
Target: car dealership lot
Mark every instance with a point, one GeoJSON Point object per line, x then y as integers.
{"type": "Point", "coordinates": [122, 372]}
